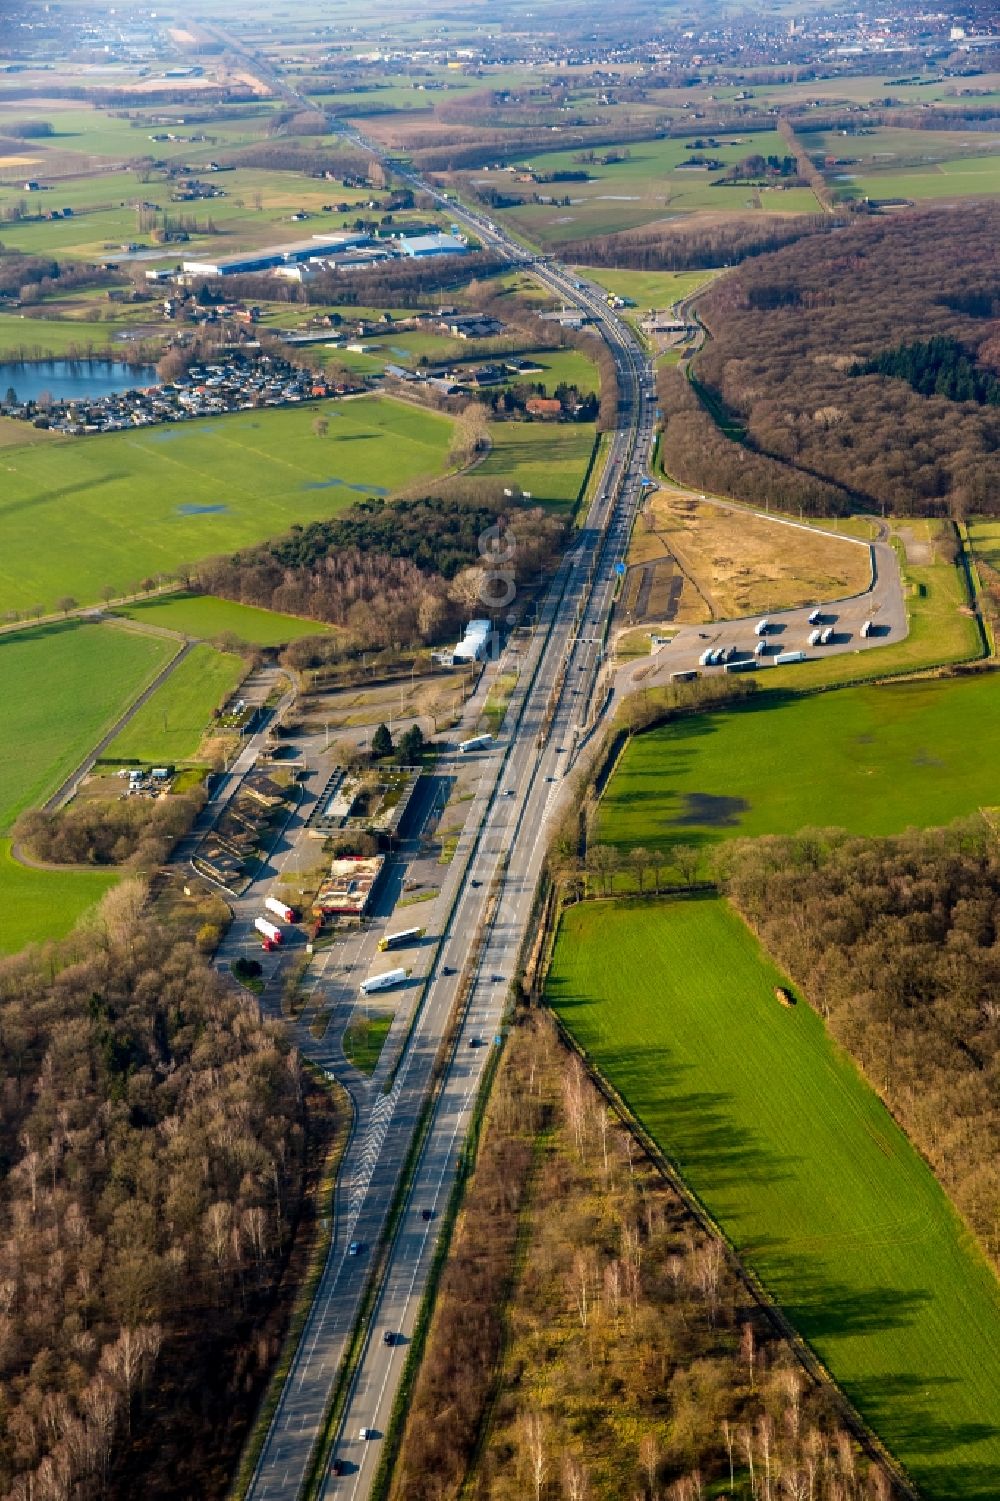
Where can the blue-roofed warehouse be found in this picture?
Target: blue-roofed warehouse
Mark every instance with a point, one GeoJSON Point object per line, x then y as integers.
{"type": "Point", "coordinates": [424, 245]}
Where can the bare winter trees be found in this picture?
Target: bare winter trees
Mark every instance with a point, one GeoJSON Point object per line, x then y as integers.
{"type": "Point", "coordinates": [151, 1132]}
{"type": "Point", "coordinates": [610, 1351]}
{"type": "Point", "coordinates": [790, 333]}
{"type": "Point", "coordinates": [393, 572]}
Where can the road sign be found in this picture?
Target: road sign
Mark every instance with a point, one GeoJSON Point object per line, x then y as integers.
{"type": "Point", "coordinates": [620, 569]}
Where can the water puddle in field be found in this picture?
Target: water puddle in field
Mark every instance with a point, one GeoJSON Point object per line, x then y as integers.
{"type": "Point", "coordinates": [193, 510]}
{"type": "Point", "coordinates": [342, 484]}
{"type": "Point", "coordinates": [710, 808]}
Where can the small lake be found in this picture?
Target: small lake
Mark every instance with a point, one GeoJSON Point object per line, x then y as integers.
{"type": "Point", "coordinates": [66, 379]}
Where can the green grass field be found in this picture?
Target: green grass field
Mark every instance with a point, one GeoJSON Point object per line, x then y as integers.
{"type": "Point", "coordinates": [874, 760]}
{"type": "Point", "coordinates": [363, 1040]}
{"type": "Point", "coordinates": [117, 507]}
{"type": "Point", "coordinates": [548, 460]}
{"type": "Point", "coordinates": [204, 616]}
{"type": "Point", "coordinates": [984, 535]}
{"type": "Point", "coordinates": [649, 289]}
{"type": "Point", "coordinates": [42, 904]}
{"type": "Point", "coordinates": [966, 177]}
{"type": "Point", "coordinates": [170, 725]}
{"type": "Point", "coordinates": [62, 686]}
{"type": "Point", "coordinates": [54, 336]}
{"type": "Point", "coordinates": [797, 1159]}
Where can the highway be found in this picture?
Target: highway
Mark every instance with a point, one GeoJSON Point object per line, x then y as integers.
{"type": "Point", "coordinates": [476, 932]}
{"type": "Point", "coordinates": [496, 867]}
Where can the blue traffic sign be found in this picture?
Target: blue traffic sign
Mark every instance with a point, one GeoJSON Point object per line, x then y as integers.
{"type": "Point", "coordinates": [620, 568]}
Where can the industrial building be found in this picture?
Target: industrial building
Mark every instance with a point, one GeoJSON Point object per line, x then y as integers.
{"type": "Point", "coordinates": [475, 643]}
{"type": "Point", "coordinates": [253, 261]}
{"type": "Point", "coordinates": [420, 246]}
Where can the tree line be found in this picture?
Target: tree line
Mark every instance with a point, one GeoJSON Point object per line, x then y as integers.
{"type": "Point", "coordinates": [591, 1340]}
{"type": "Point", "coordinates": [398, 283]}
{"type": "Point", "coordinates": [669, 248]}
{"type": "Point", "coordinates": [152, 1135]}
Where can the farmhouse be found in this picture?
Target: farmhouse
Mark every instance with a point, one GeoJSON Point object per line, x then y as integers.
{"type": "Point", "coordinates": [545, 407]}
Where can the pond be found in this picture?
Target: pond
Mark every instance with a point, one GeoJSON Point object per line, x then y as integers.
{"type": "Point", "coordinates": [67, 379]}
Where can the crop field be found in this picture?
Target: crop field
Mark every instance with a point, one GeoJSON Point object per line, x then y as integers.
{"type": "Point", "coordinates": [170, 725]}
{"type": "Point", "coordinates": [804, 1169]}
{"type": "Point", "coordinates": [62, 686]}
{"type": "Point", "coordinates": [42, 904]}
{"type": "Point", "coordinates": [207, 618]}
{"type": "Point", "coordinates": [873, 760]}
{"type": "Point", "coordinates": [548, 460]}
{"type": "Point", "coordinates": [122, 506]}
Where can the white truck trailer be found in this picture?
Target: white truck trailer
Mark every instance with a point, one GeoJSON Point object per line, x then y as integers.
{"type": "Point", "coordinates": [268, 930]}
{"type": "Point", "coordinates": [383, 982]}
{"type": "Point", "coordinates": [280, 909]}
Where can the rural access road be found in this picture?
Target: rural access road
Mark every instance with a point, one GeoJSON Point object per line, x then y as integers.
{"type": "Point", "coordinates": [69, 787]}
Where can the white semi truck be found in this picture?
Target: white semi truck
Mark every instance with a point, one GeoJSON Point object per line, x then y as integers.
{"type": "Point", "coordinates": [383, 982]}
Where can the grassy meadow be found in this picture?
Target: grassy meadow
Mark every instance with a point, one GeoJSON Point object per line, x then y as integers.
{"type": "Point", "coordinates": [62, 687]}
{"type": "Point", "coordinates": [42, 904]}
{"type": "Point", "coordinates": [207, 618]}
{"type": "Point", "coordinates": [548, 461]}
{"type": "Point", "coordinates": [798, 1160]}
{"type": "Point", "coordinates": [874, 760]}
{"type": "Point", "coordinates": [647, 184]}
{"type": "Point", "coordinates": [649, 289]}
{"type": "Point", "coordinates": [170, 725]}
{"type": "Point", "coordinates": [121, 506]}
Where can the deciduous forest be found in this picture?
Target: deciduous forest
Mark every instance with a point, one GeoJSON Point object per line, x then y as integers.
{"type": "Point", "coordinates": [804, 369]}
{"type": "Point", "coordinates": [152, 1139]}
{"type": "Point", "coordinates": [400, 571]}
